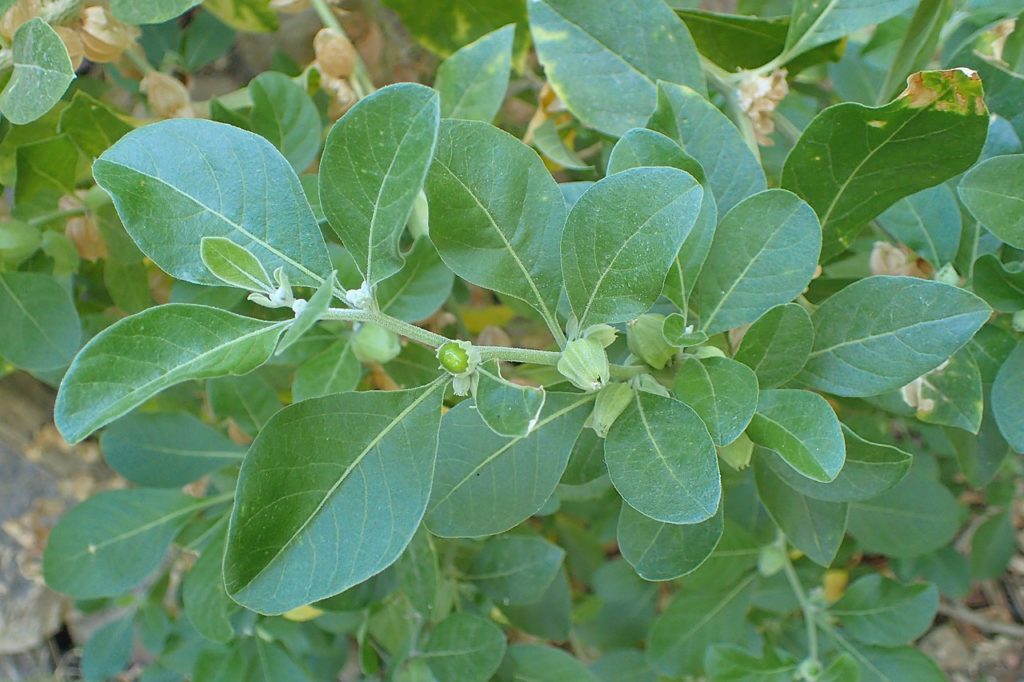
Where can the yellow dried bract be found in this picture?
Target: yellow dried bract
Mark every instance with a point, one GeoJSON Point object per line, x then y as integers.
{"type": "Point", "coordinates": [13, 18]}
{"type": "Point", "coordinates": [168, 97]}
{"type": "Point", "coordinates": [73, 43]}
{"type": "Point", "coordinates": [335, 54]}
{"type": "Point", "coordinates": [105, 37]}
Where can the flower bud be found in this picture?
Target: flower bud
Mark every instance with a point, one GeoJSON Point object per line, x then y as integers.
{"type": "Point", "coordinates": [947, 274]}
{"type": "Point", "coordinates": [168, 97]}
{"type": "Point", "coordinates": [645, 338]}
{"type": "Point", "coordinates": [73, 43]}
{"type": "Point", "coordinates": [771, 560]}
{"type": "Point", "coordinates": [611, 401]}
{"type": "Point", "coordinates": [585, 364]}
{"type": "Point", "coordinates": [21, 12]}
{"type": "Point", "coordinates": [648, 384]}
{"type": "Point", "coordinates": [105, 37]}
{"type": "Point", "coordinates": [335, 54]}
{"type": "Point", "coordinates": [375, 344]}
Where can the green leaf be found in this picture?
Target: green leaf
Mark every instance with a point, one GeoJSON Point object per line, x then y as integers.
{"type": "Point", "coordinates": [309, 314]}
{"type": "Point", "coordinates": [881, 333]}
{"type": "Point", "coordinates": [375, 160]}
{"type": "Point", "coordinates": [778, 344]}
{"type": "Point", "coordinates": [511, 410]}
{"type": "Point", "coordinates": [112, 541]}
{"type": "Point", "coordinates": [662, 460]}
{"type": "Point", "coordinates": [891, 664]}
{"type": "Point", "coordinates": [916, 516]}
{"type": "Point", "coordinates": [616, 272]}
{"type": "Point", "coordinates": [151, 11]}
{"type": "Point", "coordinates": [623, 665]}
{"type": "Point", "coordinates": [465, 647]}
{"type": "Point", "coordinates": [333, 370]}
{"type": "Point", "coordinates": [109, 650]}
{"type": "Point", "coordinates": [166, 449]}
{"type": "Point", "coordinates": [991, 192]}
{"type": "Point", "coordinates": [450, 25]}
{"type": "Point", "coordinates": [418, 576]}
{"type": "Point", "coordinates": [1007, 400]}
{"type": "Point", "coordinates": [950, 394]}
{"type": "Point", "coordinates": [417, 290]}
{"type": "Point", "coordinates": [928, 222]}
{"type": "Point", "coordinates": [354, 470]}
{"type": "Point", "coordinates": [549, 617]}
{"type": "Point", "coordinates": [234, 265]}
{"type": "Point", "coordinates": [843, 669]}
{"type": "Point", "coordinates": [515, 569]}
{"type": "Point", "coordinates": [918, 46]}
{"type": "Point", "coordinates": [877, 610]}
{"type": "Point", "coordinates": [41, 330]}
{"type": "Point", "coordinates": [764, 253]}
{"type": "Point", "coordinates": [694, 620]}
{"type": "Point", "coordinates": [705, 133]}
{"type": "Point", "coordinates": [993, 546]}
{"type": "Point", "coordinates": [284, 113]}
{"type": "Point", "coordinates": [663, 551]}
{"type": "Point", "coordinates": [177, 181]}
{"type": "Point", "coordinates": [46, 171]}
{"type": "Point", "coordinates": [814, 527]}
{"type": "Point", "coordinates": [614, 50]}
{"type": "Point", "coordinates": [497, 214]}
{"type": "Point", "coordinates": [803, 429]}
{"type": "Point", "coordinates": [206, 603]}
{"type": "Point", "coordinates": [204, 40]}
{"type": "Point", "coordinates": [472, 82]}
{"type": "Point", "coordinates": [869, 469]}
{"type": "Point", "coordinates": [252, 16]}
{"type": "Point", "coordinates": [153, 350]}
{"type": "Point", "coordinates": [815, 22]}
{"type": "Point", "coordinates": [249, 400]}
{"type": "Point", "coordinates": [540, 663]}
{"type": "Point", "coordinates": [852, 162]}
{"type": "Point", "coordinates": [642, 147]}
{"type": "Point", "coordinates": [485, 483]}
{"type": "Point", "coordinates": [1002, 286]}
{"type": "Point", "coordinates": [91, 124]}
{"type": "Point", "coordinates": [42, 72]}
{"type": "Point", "coordinates": [990, 348]}
{"type": "Point", "coordinates": [731, 663]}
{"type": "Point", "coordinates": [721, 391]}
{"type": "Point", "coordinates": [549, 142]}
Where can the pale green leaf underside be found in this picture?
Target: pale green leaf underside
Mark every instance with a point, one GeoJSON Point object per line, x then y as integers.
{"type": "Point", "coordinates": [284, 113]}
{"type": "Point", "coordinates": [150, 11]}
{"type": "Point", "coordinates": [816, 22]}
{"type": "Point", "coordinates": [472, 82]}
{"type": "Point", "coordinates": [139, 356]}
{"type": "Point", "coordinates": [993, 194]}
{"type": "Point", "coordinates": [663, 462]}
{"type": "Point", "coordinates": [511, 410]}
{"type": "Point", "coordinates": [597, 54]}
{"type": "Point", "coordinates": [665, 551]}
{"type": "Point", "coordinates": [621, 238]}
{"type": "Point", "coordinates": [802, 428]}
{"type": "Point", "coordinates": [330, 494]}
{"type": "Point", "coordinates": [42, 72]}
{"type": "Point", "coordinates": [881, 333]}
{"type": "Point", "coordinates": [374, 163]}
{"type": "Point", "coordinates": [485, 483]}
{"type": "Point", "coordinates": [177, 181]}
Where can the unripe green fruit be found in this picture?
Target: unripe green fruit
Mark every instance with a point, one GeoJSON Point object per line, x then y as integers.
{"type": "Point", "coordinates": [585, 364]}
{"type": "Point", "coordinates": [647, 341]}
{"type": "Point", "coordinates": [453, 357]}
{"type": "Point", "coordinates": [375, 344]}
{"type": "Point", "coordinates": [611, 401]}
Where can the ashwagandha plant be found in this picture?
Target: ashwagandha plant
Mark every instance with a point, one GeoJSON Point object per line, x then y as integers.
{"type": "Point", "coordinates": [730, 442]}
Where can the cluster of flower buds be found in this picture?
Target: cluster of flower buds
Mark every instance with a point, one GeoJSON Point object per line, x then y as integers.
{"type": "Point", "coordinates": [336, 60]}
{"type": "Point", "coordinates": [758, 96]}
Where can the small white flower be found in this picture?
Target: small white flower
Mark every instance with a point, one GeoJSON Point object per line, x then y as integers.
{"type": "Point", "coordinates": [361, 298]}
{"type": "Point", "coordinates": [299, 305]}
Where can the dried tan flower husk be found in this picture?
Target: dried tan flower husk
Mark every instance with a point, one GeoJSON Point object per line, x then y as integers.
{"type": "Point", "coordinates": [335, 54]}
{"type": "Point", "coordinates": [168, 97]}
{"type": "Point", "coordinates": [21, 12]}
{"type": "Point", "coordinates": [104, 36]}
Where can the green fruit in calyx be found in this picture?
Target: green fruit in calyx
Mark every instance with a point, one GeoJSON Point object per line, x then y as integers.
{"type": "Point", "coordinates": [585, 363]}
{"type": "Point", "coordinates": [375, 344]}
{"type": "Point", "coordinates": [646, 340]}
{"type": "Point", "coordinates": [453, 357]}
{"type": "Point", "coordinates": [611, 401]}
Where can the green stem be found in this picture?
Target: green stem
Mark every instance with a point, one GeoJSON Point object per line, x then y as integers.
{"type": "Point", "coordinates": [138, 59]}
{"type": "Point", "coordinates": [55, 215]}
{"type": "Point", "coordinates": [806, 606]}
{"type": "Point", "coordinates": [361, 81]}
{"type": "Point", "coordinates": [410, 331]}
{"type": "Point", "coordinates": [534, 357]}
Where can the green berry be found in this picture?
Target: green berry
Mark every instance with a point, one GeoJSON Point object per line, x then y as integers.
{"type": "Point", "coordinates": [453, 357]}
